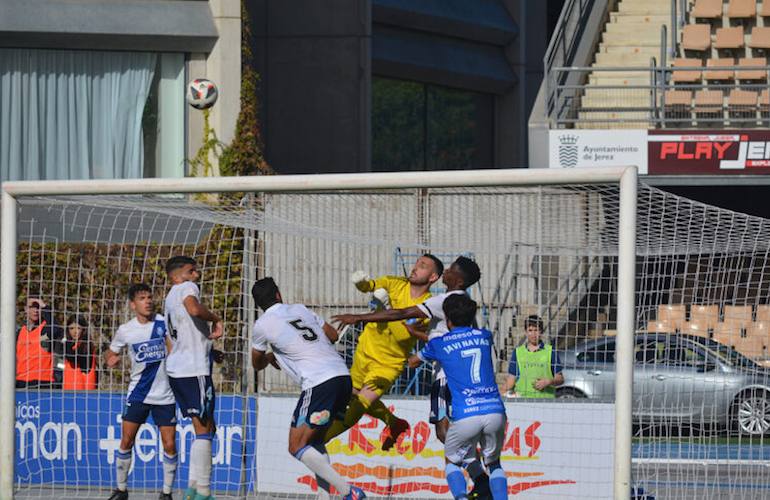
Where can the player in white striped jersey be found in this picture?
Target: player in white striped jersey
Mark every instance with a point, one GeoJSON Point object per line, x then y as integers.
{"type": "Point", "coordinates": [301, 344]}
{"type": "Point", "coordinates": [148, 392]}
{"type": "Point", "coordinates": [189, 366]}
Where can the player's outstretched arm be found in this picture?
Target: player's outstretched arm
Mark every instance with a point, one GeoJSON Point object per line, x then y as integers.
{"type": "Point", "coordinates": [379, 316]}
{"type": "Point", "coordinates": [260, 359]}
{"type": "Point", "coordinates": [414, 361]}
{"type": "Point", "coordinates": [196, 309]}
{"type": "Point", "coordinates": [417, 332]}
{"type": "Point", "coordinates": [331, 333]}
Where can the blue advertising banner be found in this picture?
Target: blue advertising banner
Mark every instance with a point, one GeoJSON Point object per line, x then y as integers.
{"type": "Point", "coordinates": [71, 438]}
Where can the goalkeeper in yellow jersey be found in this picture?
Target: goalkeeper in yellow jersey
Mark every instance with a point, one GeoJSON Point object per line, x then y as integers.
{"type": "Point", "coordinates": [383, 348]}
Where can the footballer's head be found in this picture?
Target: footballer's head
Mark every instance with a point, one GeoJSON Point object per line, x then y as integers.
{"type": "Point", "coordinates": [462, 274]}
{"type": "Point", "coordinates": [426, 271]}
{"type": "Point", "coordinates": [459, 310]}
{"type": "Point", "coordinates": [266, 293]}
{"type": "Point", "coordinates": [533, 327]}
{"type": "Point", "coordinates": [182, 268]}
{"type": "Point", "coordinates": [140, 300]}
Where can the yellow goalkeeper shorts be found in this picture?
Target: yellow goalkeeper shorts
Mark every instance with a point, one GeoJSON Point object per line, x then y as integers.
{"type": "Point", "coordinates": [367, 372]}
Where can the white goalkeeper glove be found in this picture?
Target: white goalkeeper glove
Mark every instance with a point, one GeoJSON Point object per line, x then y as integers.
{"type": "Point", "coordinates": [380, 299]}
{"type": "Point", "coordinates": [359, 278]}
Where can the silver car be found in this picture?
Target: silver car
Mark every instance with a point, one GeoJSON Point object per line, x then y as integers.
{"type": "Point", "coordinates": [678, 379]}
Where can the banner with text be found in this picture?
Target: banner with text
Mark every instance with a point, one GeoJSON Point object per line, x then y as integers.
{"type": "Point", "coordinates": [71, 438]}
{"type": "Point", "coordinates": [551, 450]}
{"type": "Point", "coordinates": [703, 152]}
{"type": "Point", "coordinates": [597, 148]}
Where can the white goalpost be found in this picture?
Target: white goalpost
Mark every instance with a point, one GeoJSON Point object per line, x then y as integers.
{"type": "Point", "coordinates": [295, 225]}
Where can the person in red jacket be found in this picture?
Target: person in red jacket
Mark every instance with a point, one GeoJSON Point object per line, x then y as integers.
{"type": "Point", "coordinates": [36, 342]}
{"type": "Point", "coordinates": [79, 356]}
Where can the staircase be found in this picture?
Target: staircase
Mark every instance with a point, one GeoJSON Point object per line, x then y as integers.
{"type": "Point", "coordinates": [630, 39]}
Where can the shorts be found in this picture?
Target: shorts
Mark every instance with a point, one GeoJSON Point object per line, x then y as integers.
{"type": "Point", "coordinates": [194, 396]}
{"type": "Point", "coordinates": [320, 404]}
{"type": "Point", "coordinates": [367, 372]}
{"type": "Point", "coordinates": [162, 415]}
{"type": "Point", "coordinates": [463, 436]}
{"type": "Point", "coordinates": [440, 401]}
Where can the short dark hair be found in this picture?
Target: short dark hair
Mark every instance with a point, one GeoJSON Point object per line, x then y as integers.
{"type": "Point", "coordinates": [136, 288]}
{"type": "Point", "coordinates": [436, 262]}
{"type": "Point", "coordinates": [460, 309]}
{"type": "Point", "coordinates": [264, 292]}
{"type": "Point", "coordinates": [178, 262]}
{"type": "Point", "coordinates": [469, 269]}
{"type": "Point", "coordinates": [533, 320]}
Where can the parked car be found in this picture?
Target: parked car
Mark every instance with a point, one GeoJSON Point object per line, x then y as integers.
{"type": "Point", "coordinates": [678, 378]}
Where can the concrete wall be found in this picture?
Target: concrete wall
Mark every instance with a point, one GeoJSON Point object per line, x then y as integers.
{"type": "Point", "coordinates": [313, 58]}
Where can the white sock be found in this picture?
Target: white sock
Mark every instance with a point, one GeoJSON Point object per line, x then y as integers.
{"type": "Point", "coordinates": [200, 462]}
{"type": "Point", "coordinates": [323, 484]}
{"type": "Point", "coordinates": [123, 465]}
{"type": "Point", "coordinates": [318, 464]}
{"type": "Point", "coordinates": [170, 463]}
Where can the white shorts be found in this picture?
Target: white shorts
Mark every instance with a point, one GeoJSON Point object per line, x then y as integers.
{"type": "Point", "coordinates": [465, 434]}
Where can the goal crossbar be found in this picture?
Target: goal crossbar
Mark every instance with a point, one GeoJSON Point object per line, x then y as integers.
{"type": "Point", "coordinates": [624, 176]}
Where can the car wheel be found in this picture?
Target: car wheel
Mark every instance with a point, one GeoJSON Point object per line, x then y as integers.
{"type": "Point", "coordinates": [569, 393]}
{"type": "Point", "coordinates": [752, 413]}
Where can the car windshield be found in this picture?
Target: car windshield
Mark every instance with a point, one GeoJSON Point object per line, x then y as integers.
{"type": "Point", "coordinates": [728, 354]}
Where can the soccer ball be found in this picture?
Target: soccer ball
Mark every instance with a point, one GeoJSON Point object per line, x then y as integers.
{"type": "Point", "coordinates": [202, 93]}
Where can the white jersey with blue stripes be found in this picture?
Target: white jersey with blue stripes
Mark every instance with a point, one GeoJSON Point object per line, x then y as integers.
{"type": "Point", "coordinates": [146, 344]}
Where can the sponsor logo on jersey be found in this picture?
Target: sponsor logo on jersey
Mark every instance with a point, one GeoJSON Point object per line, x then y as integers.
{"type": "Point", "coordinates": [149, 351]}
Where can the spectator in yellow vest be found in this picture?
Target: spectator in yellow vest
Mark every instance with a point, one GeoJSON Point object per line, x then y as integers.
{"type": "Point", "coordinates": [535, 369]}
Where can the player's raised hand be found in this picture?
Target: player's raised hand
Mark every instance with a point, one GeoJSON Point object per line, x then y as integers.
{"type": "Point", "coordinates": [217, 331]}
{"type": "Point", "coordinates": [346, 319]}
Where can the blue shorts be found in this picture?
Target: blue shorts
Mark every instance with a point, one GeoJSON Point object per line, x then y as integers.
{"type": "Point", "coordinates": [162, 415]}
{"type": "Point", "coordinates": [194, 396]}
{"type": "Point", "coordinates": [440, 401]}
{"type": "Point", "coordinates": [318, 405]}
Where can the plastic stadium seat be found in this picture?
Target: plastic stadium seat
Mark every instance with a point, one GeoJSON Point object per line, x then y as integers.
{"type": "Point", "coordinates": [707, 9]}
{"type": "Point", "coordinates": [706, 314]}
{"type": "Point", "coordinates": [709, 102]}
{"type": "Point", "coordinates": [752, 74]}
{"type": "Point", "coordinates": [764, 101]}
{"type": "Point", "coordinates": [742, 102]}
{"type": "Point", "coordinates": [689, 76]}
{"type": "Point", "coordinates": [729, 38]}
{"type": "Point", "coordinates": [760, 38]}
{"type": "Point", "coordinates": [673, 314]}
{"type": "Point", "coordinates": [740, 315]}
{"type": "Point", "coordinates": [696, 37]}
{"type": "Point", "coordinates": [722, 74]}
{"type": "Point", "coordinates": [660, 327]}
{"type": "Point", "coordinates": [698, 328]}
{"type": "Point", "coordinates": [764, 11]}
{"type": "Point", "coordinates": [760, 332]}
{"type": "Point", "coordinates": [741, 9]}
{"type": "Point", "coordinates": [763, 311]}
{"type": "Point", "coordinates": [753, 345]}
{"type": "Point", "coordinates": [728, 333]}
{"type": "Point", "coordinates": [678, 98]}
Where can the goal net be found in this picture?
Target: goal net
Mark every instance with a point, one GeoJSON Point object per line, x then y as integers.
{"type": "Point", "coordinates": [546, 250]}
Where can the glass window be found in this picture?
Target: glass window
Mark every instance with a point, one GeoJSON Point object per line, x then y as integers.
{"type": "Point", "coordinates": [604, 353]}
{"type": "Point", "coordinates": [650, 351]}
{"type": "Point", "coordinates": [417, 126]}
{"type": "Point", "coordinates": [163, 119]}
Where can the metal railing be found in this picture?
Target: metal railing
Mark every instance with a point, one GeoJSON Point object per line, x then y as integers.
{"type": "Point", "coordinates": [642, 97]}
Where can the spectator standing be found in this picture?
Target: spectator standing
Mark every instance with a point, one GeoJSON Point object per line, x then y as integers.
{"type": "Point", "coordinates": [535, 368]}
{"type": "Point", "coordinates": [36, 342]}
{"type": "Point", "coordinates": [79, 356]}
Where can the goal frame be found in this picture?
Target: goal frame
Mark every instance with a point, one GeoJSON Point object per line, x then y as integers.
{"type": "Point", "coordinates": [625, 176]}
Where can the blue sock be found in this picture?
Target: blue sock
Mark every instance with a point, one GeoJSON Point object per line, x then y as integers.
{"type": "Point", "coordinates": [498, 484]}
{"type": "Point", "coordinates": [456, 480]}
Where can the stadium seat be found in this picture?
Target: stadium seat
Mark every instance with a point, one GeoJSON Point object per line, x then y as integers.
{"type": "Point", "coordinates": [696, 37]}
{"type": "Point", "coordinates": [741, 9]}
{"type": "Point", "coordinates": [742, 315]}
{"type": "Point", "coordinates": [728, 333]}
{"type": "Point", "coordinates": [742, 102]}
{"type": "Point", "coordinates": [703, 320]}
{"type": "Point", "coordinates": [658, 326]}
{"type": "Point", "coordinates": [764, 103]}
{"type": "Point", "coordinates": [672, 314]}
{"type": "Point", "coordinates": [688, 76]}
{"type": "Point", "coordinates": [752, 346]}
{"type": "Point", "coordinates": [764, 11]}
{"type": "Point", "coordinates": [707, 9]}
{"type": "Point", "coordinates": [709, 102]}
{"type": "Point", "coordinates": [760, 332]}
{"type": "Point", "coordinates": [751, 74]}
{"type": "Point", "coordinates": [760, 38]}
{"type": "Point", "coordinates": [722, 74]}
{"type": "Point", "coordinates": [729, 38]}
{"type": "Point", "coordinates": [763, 313]}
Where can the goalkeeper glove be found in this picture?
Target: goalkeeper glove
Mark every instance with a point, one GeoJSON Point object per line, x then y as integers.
{"type": "Point", "coordinates": [380, 299]}
{"type": "Point", "coordinates": [361, 280]}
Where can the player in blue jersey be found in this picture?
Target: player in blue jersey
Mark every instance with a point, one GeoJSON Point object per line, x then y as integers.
{"type": "Point", "coordinates": [478, 414]}
{"type": "Point", "coordinates": [149, 391]}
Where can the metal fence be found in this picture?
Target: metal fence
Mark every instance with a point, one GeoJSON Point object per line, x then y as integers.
{"type": "Point", "coordinates": [660, 97]}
